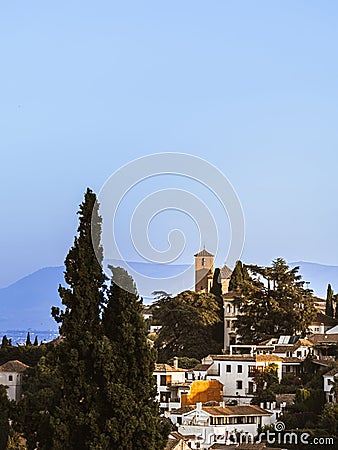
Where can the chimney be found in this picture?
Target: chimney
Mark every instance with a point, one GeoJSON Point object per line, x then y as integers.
{"type": "Point", "coordinates": [175, 362]}
{"type": "Point", "coordinates": [199, 406]}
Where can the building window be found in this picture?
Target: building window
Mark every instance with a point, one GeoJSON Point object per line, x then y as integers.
{"type": "Point", "coordinates": [239, 384]}
{"type": "Point", "coordinates": [10, 377]}
{"type": "Point", "coordinates": [228, 368]}
{"type": "Point", "coordinates": [165, 397]}
{"type": "Point", "coordinates": [299, 354]}
{"type": "Point", "coordinates": [252, 371]}
{"type": "Point", "coordinates": [163, 380]}
{"type": "Point", "coordinates": [203, 261]}
{"type": "Point", "coordinates": [239, 368]}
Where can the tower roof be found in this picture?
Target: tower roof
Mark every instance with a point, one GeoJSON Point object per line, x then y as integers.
{"type": "Point", "coordinates": [225, 272]}
{"type": "Point", "coordinates": [203, 252]}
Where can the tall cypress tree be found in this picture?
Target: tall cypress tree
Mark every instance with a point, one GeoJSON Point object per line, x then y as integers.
{"type": "Point", "coordinates": [238, 276]}
{"type": "Point", "coordinates": [129, 397]}
{"type": "Point", "coordinates": [94, 390]}
{"type": "Point", "coordinates": [28, 339]}
{"type": "Point", "coordinates": [75, 421]}
{"type": "Point", "coordinates": [216, 289]}
{"type": "Point", "coordinates": [329, 301]}
{"type": "Point", "coordinates": [4, 417]}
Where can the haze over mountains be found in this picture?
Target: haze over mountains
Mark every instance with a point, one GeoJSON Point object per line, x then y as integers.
{"type": "Point", "coordinates": [27, 303]}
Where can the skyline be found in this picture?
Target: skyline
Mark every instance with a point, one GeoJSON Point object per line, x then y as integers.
{"type": "Point", "coordinates": [87, 89]}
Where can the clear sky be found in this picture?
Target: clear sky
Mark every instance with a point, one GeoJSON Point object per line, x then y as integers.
{"type": "Point", "coordinates": [88, 86]}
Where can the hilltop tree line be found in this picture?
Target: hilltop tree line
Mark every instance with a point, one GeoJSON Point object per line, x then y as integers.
{"type": "Point", "coordinates": [272, 301]}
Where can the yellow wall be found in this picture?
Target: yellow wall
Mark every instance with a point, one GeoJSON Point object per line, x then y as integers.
{"type": "Point", "coordinates": [203, 391]}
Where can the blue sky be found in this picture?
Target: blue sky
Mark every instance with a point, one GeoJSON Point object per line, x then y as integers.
{"type": "Point", "coordinates": [88, 86]}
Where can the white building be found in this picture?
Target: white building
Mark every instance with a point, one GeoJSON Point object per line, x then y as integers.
{"type": "Point", "coordinates": [171, 384]}
{"type": "Point", "coordinates": [11, 377]}
{"type": "Point", "coordinates": [328, 381]}
{"type": "Point", "coordinates": [236, 373]}
{"type": "Point", "coordinates": [205, 425]}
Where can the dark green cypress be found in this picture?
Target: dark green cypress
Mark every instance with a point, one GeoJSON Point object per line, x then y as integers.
{"type": "Point", "coordinates": [28, 339]}
{"type": "Point", "coordinates": [5, 342]}
{"type": "Point", "coordinates": [36, 342]}
{"type": "Point", "coordinates": [238, 276]}
{"type": "Point", "coordinates": [216, 287]}
{"type": "Point", "coordinates": [4, 417]}
{"type": "Point", "coordinates": [329, 301]}
{"type": "Point", "coordinates": [129, 397]}
{"type": "Point", "coordinates": [94, 390]}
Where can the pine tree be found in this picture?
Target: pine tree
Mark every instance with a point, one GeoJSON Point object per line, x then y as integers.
{"type": "Point", "coordinates": [28, 339]}
{"type": "Point", "coordinates": [36, 342]}
{"type": "Point", "coordinates": [329, 302]}
{"type": "Point", "coordinates": [274, 302]}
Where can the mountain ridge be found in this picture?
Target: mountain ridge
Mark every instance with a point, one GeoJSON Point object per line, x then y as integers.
{"type": "Point", "coordinates": [27, 302]}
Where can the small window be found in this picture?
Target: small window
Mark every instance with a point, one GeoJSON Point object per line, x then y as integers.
{"type": "Point", "coordinates": [163, 380]}
{"type": "Point", "coordinates": [10, 377]}
{"type": "Point", "coordinates": [203, 261]}
{"type": "Point", "coordinates": [240, 368]}
{"type": "Point", "coordinates": [228, 368]}
{"type": "Point", "coordinates": [239, 384]}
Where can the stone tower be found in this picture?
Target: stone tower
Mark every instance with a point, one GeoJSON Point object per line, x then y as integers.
{"type": "Point", "coordinates": [204, 271]}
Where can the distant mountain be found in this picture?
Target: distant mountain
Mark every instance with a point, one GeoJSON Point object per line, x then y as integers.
{"type": "Point", "coordinates": [319, 276]}
{"type": "Point", "coordinates": [27, 303]}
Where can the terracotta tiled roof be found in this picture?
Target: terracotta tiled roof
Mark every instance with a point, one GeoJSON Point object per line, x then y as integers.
{"type": "Point", "coordinates": [248, 410]}
{"type": "Point", "coordinates": [13, 366]}
{"type": "Point", "coordinates": [225, 272]}
{"type": "Point", "coordinates": [331, 373]}
{"type": "Point", "coordinates": [323, 318]}
{"type": "Point", "coordinates": [231, 294]}
{"type": "Point", "coordinates": [203, 252]}
{"type": "Point", "coordinates": [166, 368]}
{"type": "Point", "coordinates": [183, 410]}
{"type": "Point", "coordinates": [283, 348]}
{"type": "Point", "coordinates": [233, 358]}
{"type": "Point", "coordinates": [260, 358]}
{"type": "Point", "coordinates": [202, 367]}
{"type": "Point", "coordinates": [292, 360]}
{"type": "Point", "coordinates": [323, 338]}
{"type": "Point", "coordinates": [289, 399]}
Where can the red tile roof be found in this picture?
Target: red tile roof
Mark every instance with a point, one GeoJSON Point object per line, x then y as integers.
{"type": "Point", "coordinates": [13, 366]}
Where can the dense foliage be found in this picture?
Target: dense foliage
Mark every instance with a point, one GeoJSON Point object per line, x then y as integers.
{"type": "Point", "coordinates": [273, 302]}
{"type": "Point", "coordinates": [4, 417]}
{"type": "Point", "coordinates": [94, 389]}
{"type": "Point", "coordinates": [187, 325]}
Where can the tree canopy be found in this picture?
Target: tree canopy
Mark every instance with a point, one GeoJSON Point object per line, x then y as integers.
{"type": "Point", "coordinates": [94, 389]}
{"type": "Point", "coordinates": [273, 302]}
{"type": "Point", "coordinates": [187, 321]}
